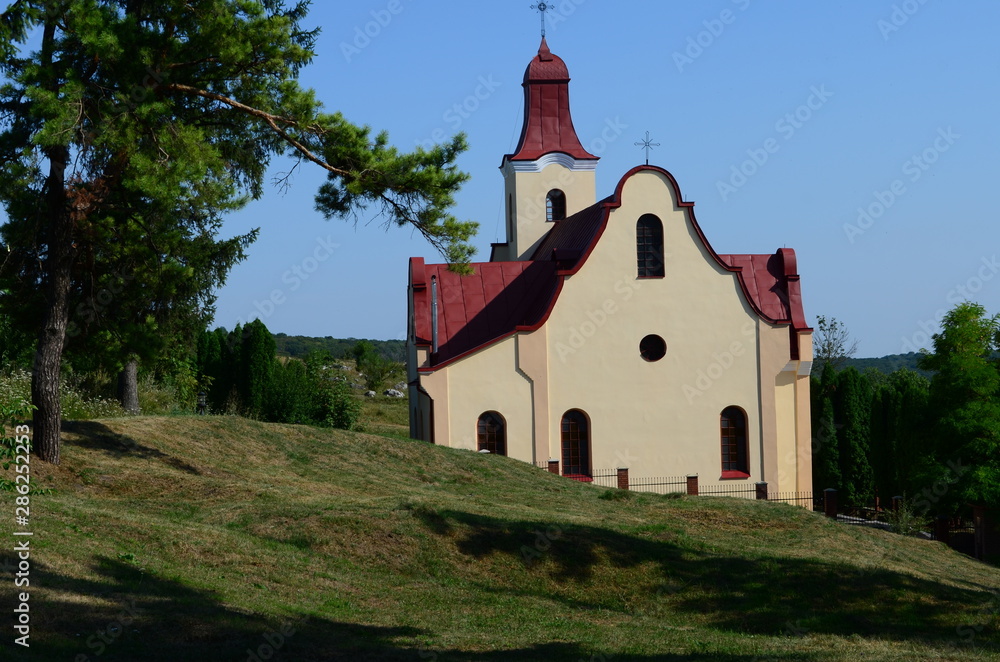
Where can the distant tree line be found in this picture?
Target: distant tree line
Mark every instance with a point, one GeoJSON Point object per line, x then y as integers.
{"type": "Point", "coordinates": [890, 364]}
{"type": "Point", "coordinates": [299, 347]}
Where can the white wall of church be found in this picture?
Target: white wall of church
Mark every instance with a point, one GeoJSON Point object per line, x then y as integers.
{"type": "Point", "coordinates": [487, 380]}
{"type": "Point", "coordinates": [658, 418]}
{"type": "Point", "coordinates": [528, 191]}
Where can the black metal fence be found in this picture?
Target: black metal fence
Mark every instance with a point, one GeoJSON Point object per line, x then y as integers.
{"type": "Point", "coordinates": [728, 489]}
{"type": "Point", "coordinates": [804, 499]}
{"type": "Point", "coordinates": [667, 485]}
{"type": "Point", "coordinates": [605, 478]}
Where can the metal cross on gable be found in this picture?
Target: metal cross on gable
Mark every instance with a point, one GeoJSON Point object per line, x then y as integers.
{"type": "Point", "coordinates": [543, 7]}
{"type": "Point", "coordinates": [647, 145]}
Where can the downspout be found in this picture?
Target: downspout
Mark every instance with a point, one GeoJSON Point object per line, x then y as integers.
{"type": "Point", "coordinates": [434, 315]}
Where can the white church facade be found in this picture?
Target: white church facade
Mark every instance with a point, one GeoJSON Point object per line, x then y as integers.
{"type": "Point", "coordinates": [608, 333]}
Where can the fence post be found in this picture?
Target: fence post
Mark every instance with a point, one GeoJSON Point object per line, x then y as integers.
{"type": "Point", "coordinates": [941, 529]}
{"type": "Point", "coordinates": [762, 491]}
{"type": "Point", "coordinates": [623, 478]}
{"type": "Point", "coordinates": [897, 501]}
{"type": "Point", "coordinates": [692, 485]}
{"type": "Point", "coordinates": [554, 467]}
{"type": "Point", "coordinates": [830, 502]}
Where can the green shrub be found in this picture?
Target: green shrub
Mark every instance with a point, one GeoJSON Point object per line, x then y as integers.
{"type": "Point", "coordinates": [15, 389]}
{"type": "Point", "coordinates": [158, 399]}
{"type": "Point", "coordinates": [906, 521]}
{"type": "Point", "coordinates": [292, 395]}
{"type": "Point", "coordinates": [11, 409]}
{"type": "Point", "coordinates": [342, 409]}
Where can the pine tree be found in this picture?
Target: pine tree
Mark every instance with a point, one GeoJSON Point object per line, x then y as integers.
{"type": "Point", "coordinates": [116, 109]}
{"type": "Point", "coordinates": [963, 454]}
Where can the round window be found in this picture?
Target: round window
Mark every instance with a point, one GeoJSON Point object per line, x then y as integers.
{"type": "Point", "coordinates": [652, 348]}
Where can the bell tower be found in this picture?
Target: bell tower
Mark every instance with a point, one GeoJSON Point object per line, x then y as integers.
{"type": "Point", "coordinates": [550, 175]}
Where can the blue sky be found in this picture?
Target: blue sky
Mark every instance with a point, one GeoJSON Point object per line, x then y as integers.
{"type": "Point", "coordinates": [862, 133]}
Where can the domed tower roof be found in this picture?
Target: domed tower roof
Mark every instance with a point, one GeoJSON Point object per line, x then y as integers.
{"type": "Point", "coordinates": [548, 125]}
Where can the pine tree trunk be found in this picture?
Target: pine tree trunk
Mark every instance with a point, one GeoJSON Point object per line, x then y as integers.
{"type": "Point", "coordinates": [128, 387]}
{"type": "Point", "coordinates": [57, 280]}
{"type": "Point", "coordinates": [45, 390]}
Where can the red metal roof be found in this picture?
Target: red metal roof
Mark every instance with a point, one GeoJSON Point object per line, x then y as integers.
{"type": "Point", "coordinates": [572, 236]}
{"type": "Point", "coordinates": [502, 298]}
{"type": "Point", "coordinates": [764, 278]}
{"type": "Point", "coordinates": [480, 308]}
{"type": "Point", "coordinates": [548, 125]}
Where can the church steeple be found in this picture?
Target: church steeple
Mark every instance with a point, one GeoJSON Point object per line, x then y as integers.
{"type": "Point", "coordinates": [548, 124]}
{"type": "Point", "coordinates": [550, 175]}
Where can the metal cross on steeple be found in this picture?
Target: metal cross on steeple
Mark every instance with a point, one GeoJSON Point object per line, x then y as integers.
{"type": "Point", "coordinates": [647, 145]}
{"type": "Point", "coordinates": [543, 7]}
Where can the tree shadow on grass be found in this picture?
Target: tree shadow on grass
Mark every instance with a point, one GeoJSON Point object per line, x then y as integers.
{"type": "Point", "coordinates": [742, 595]}
{"type": "Point", "coordinates": [128, 614]}
{"type": "Point", "coordinates": [97, 436]}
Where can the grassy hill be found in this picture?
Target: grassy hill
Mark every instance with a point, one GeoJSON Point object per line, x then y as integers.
{"type": "Point", "coordinates": [209, 537]}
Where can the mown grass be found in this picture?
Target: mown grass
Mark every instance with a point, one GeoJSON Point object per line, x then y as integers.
{"type": "Point", "coordinates": [216, 532]}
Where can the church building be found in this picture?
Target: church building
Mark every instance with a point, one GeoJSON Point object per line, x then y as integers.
{"type": "Point", "coordinates": [608, 333]}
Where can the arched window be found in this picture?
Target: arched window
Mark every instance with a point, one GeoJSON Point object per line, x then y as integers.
{"type": "Point", "coordinates": [555, 205]}
{"type": "Point", "coordinates": [575, 444]}
{"type": "Point", "coordinates": [734, 443]}
{"type": "Point", "coordinates": [492, 433]}
{"type": "Point", "coordinates": [649, 246]}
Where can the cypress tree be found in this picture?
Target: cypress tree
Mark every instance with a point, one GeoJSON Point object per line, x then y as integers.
{"type": "Point", "coordinates": [826, 452]}
{"type": "Point", "coordinates": [852, 410]}
{"type": "Point", "coordinates": [256, 367]}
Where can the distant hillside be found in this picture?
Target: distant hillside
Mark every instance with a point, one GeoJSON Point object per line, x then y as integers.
{"type": "Point", "coordinates": [395, 350]}
{"type": "Point", "coordinates": [888, 364]}
{"type": "Point", "coordinates": [298, 346]}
